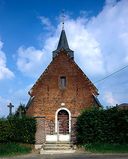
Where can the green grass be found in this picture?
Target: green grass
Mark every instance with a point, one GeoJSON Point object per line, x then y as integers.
{"type": "Point", "coordinates": [106, 148]}
{"type": "Point", "coordinates": [13, 149]}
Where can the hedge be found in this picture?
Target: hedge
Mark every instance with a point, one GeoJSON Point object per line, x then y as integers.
{"type": "Point", "coordinates": [14, 129]}
{"type": "Point", "coordinates": [103, 126]}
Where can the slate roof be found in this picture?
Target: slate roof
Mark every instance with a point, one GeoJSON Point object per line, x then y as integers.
{"type": "Point", "coordinates": [63, 44]}
{"type": "Point", "coordinates": [97, 100]}
{"type": "Point", "coordinates": [29, 102]}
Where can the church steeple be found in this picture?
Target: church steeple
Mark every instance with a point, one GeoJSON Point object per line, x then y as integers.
{"type": "Point", "coordinates": [63, 44]}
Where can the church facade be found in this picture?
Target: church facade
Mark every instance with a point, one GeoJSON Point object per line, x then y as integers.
{"type": "Point", "coordinates": [59, 95]}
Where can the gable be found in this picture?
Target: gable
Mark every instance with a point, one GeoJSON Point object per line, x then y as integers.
{"type": "Point", "coordinates": [62, 63]}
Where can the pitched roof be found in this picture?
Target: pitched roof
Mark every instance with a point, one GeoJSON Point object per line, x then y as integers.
{"type": "Point", "coordinates": [72, 61]}
{"type": "Point", "coordinates": [123, 106]}
{"type": "Point", "coordinates": [29, 102]}
{"type": "Point", "coordinates": [63, 44]}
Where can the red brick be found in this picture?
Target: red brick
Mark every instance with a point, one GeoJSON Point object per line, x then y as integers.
{"type": "Point", "coordinates": [48, 96]}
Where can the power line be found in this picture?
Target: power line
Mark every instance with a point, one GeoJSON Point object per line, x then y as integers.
{"type": "Point", "coordinates": [112, 74]}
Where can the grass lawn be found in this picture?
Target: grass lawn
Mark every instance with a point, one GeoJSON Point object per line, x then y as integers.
{"type": "Point", "coordinates": [12, 149]}
{"type": "Point", "coordinates": [106, 148]}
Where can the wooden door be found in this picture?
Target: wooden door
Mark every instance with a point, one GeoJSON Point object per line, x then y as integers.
{"type": "Point", "coordinates": [63, 120]}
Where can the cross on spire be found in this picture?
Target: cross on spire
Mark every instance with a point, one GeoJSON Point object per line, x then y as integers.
{"type": "Point", "coordinates": [63, 42]}
{"type": "Point", "coordinates": [63, 18]}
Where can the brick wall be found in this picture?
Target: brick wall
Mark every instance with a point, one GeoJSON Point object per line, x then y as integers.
{"type": "Point", "coordinates": [40, 133]}
{"type": "Point", "coordinates": [48, 96]}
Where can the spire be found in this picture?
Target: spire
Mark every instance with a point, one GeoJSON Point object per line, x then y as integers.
{"type": "Point", "coordinates": [63, 44]}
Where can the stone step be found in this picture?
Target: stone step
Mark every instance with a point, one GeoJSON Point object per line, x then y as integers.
{"type": "Point", "coordinates": [59, 143]}
{"type": "Point", "coordinates": [56, 151]}
{"type": "Point", "coordinates": [57, 146]}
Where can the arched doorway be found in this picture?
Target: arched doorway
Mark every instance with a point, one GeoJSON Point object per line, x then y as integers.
{"type": "Point", "coordinates": [63, 122]}
{"type": "Point", "coordinates": [62, 126]}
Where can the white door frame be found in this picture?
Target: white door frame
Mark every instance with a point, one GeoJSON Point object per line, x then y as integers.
{"type": "Point", "coordinates": [60, 137]}
{"type": "Point", "coordinates": [56, 119]}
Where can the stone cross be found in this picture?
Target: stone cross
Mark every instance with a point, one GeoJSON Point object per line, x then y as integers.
{"type": "Point", "coordinates": [10, 108]}
{"type": "Point", "coordinates": [20, 112]}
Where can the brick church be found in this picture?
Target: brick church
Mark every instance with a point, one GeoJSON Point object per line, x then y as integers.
{"type": "Point", "coordinates": [59, 95]}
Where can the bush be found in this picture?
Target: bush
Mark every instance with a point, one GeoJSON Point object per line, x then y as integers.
{"type": "Point", "coordinates": [106, 148]}
{"type": "Point", "coordinates": [12, 149]}
{"type": "Point", "coordinates": [14, 129]}
{"type": "Point", "coordinates": [103, 126]}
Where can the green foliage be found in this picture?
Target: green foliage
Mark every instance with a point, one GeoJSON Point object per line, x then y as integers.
{"type": "Point", "coordinates": [107, 148]}
{"type": "Point", "coordinates": [21, 111]}
{"type": "Point", "coordinates": [103, 126]}
{"type": "Point", "coordinates": [12, 149]}
{"type": "Point", "coordinates": [15, 129]}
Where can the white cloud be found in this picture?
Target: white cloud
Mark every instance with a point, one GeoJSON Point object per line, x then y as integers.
{"type": "Point", "coordinates": [86, 49]}
{"type": "Point", "coordinates": [46, 23]}
{"type": "Point", "coordinates": [29, 60]}
{"type": "Point", "coordinates": [100, 44]}
{"type": "Point", "coordinates": [102, 41]}
{"type": "Point", "coordinates": [110, 29]}
{"type": "Point", "coordinates": [4, 71]}
{"type": "Point", "coordinates": [110, 99]}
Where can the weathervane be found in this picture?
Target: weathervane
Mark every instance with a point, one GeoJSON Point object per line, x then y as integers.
{"type": "Point", "coordinates": [63, 18]}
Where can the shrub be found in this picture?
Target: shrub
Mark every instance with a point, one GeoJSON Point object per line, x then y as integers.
{"type": "Point", "coordinates": [14, 129]}
{"type": "Point", "coordinates": [103, 126]}
{"type": "Point", "coordinates": [12, 149]}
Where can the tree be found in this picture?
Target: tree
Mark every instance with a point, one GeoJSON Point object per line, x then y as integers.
{"type": "Point", "coordinates": [21, 110]}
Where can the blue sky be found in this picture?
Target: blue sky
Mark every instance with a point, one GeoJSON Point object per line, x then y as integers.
{"type": "Point", "coordinates": [29, 31]}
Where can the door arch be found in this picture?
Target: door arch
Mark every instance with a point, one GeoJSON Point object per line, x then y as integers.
{"type": "Point", "coordinates": [63, 114]}
{"type": "Point", "coordinates": [63, 122]}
